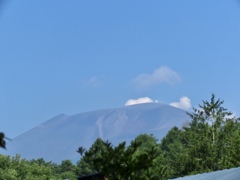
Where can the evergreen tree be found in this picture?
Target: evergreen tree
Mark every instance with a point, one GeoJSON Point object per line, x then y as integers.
{"type": "Point", "coordinates": [158, 170]}
{"type": "Point", "coordinates": [173, 149]}
{"type": "Point", "coordinates": [208, 138]}
{"type": "Point", "coordinates": [119, 162]}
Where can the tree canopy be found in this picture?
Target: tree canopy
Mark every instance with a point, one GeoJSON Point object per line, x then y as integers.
{"type": "Point", "coordinates": [120, 162]}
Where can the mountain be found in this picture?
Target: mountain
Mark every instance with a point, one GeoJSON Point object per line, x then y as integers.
{"type": "Point", "coordinates": [58, 138]}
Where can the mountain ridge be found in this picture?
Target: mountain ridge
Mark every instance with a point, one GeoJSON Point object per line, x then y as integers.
{"type": "Point", "coordinates": [58, 138]}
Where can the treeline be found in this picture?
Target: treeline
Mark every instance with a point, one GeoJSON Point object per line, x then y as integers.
{"type": "Point", "coordinates": [210, 142]}
{"type": "Point", "coordinates": [16, 168]}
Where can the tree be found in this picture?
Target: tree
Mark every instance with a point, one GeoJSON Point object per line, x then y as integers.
{"type": "Point", "coordinates": [15, 168]}
{"type": "Point", "coordinates": [173, 149]}
{"type": "Point", "coordinates": [118, 162]}
{"type": "Point", "coordinates": [212, 138]}
{"type": "Point", "coordinates": [67, 166]}
{"type": "Point", "coordinates": [157, 170]}
{"type": "Point", "coordinates": [2, 141]}
{"type": "Point", "coordinates": [210, 142]}
{"type": "Point", "coordinates": [85, 165]}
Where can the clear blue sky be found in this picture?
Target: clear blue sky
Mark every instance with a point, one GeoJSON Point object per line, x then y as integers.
{"type": "Point", "coordinates": [75, 56]}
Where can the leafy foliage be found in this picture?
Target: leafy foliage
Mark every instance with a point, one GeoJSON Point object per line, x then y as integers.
{"type": "Point", "coordinates": [119, 162]}
{"type": "Point", "coordinates": [16, 168]}
{"type": "Point", "coordinates": [210, 143]}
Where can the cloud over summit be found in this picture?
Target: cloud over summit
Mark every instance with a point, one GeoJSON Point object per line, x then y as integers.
{"type": "Point", "coordinates": [139, 101]}
{"type": "Point", "coordinates": [183, 103]}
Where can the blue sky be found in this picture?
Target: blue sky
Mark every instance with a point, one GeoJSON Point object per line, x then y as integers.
{"type": "Point", "coordinates": [76, 56]}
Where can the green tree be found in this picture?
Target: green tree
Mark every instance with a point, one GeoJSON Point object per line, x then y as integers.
{"type": "Point", "coordinates": [158, 169]}
{"type": "Point", "coordinates": [67, 170]}
{"type": "Point", "coordinates": [67, 166]}
{"type": "Point", "coordinates": [83, 167]}
{"type": "Point", "coordinates": [208, 138]}
{"type": "Point", "coordinates": [15, 168]}
{"type": "Point", "coordinates": [173, 149]}
{"type": "Point", "coordinates": [118, 162]}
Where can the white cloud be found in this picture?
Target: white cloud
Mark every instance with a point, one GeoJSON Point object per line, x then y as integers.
{"type": "Point", "coordinates": [139, 101]}
{"type": "Point", "coordinates": [95, 81]}
{"type": "Point", "coordinates": [160, 75]}
{"type": "Point", "coordinates": [184, 103]}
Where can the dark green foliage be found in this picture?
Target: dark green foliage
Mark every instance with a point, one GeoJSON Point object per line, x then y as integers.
{"type": "Point", "coordinates": [120, 162]}
{"type": "Point", "coordinates": [2, 141]}
{"type": "Point", "coordinates": [67, 166]}
{"type": "Point", "coordinates": [84, 168]}
{"type": "Point", "coordinates": [85, 165]}
{"type": "Point", "coordinates": [67, 170]}
{"type": "Point", "coordinates": [157, 168]}
{"type": "Point", "coordinates": [173, 149]}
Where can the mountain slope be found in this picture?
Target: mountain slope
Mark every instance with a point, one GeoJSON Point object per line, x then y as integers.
{"type": "Point", "coordinates": [58, 138]}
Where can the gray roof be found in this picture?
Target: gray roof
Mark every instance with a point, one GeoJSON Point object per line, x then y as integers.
{"type": "Point", "coordinates": [227, 174]}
